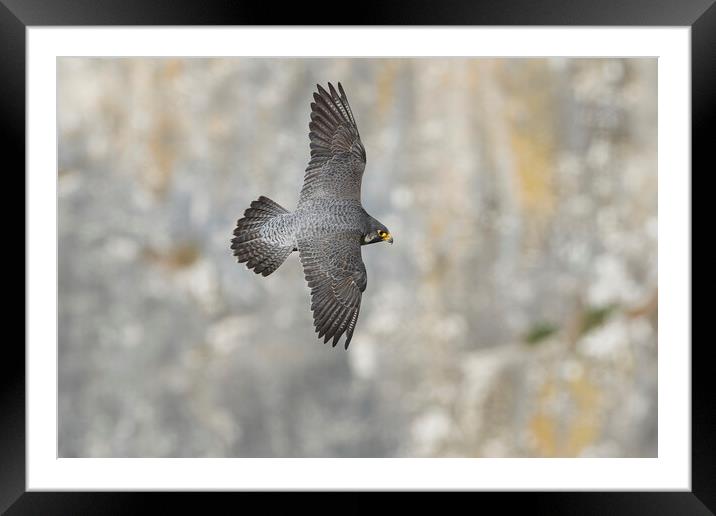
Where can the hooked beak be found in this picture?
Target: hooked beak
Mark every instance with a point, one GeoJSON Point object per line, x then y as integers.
{"type": "Point", "coordinates": [388, 238]}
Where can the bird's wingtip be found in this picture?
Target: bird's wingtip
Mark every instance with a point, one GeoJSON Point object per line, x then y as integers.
{"type": "Point", "coordinates": [331, 88]}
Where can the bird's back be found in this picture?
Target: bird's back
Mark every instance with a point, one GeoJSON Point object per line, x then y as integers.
{"type": "Point", "coordinates": [326, 215]}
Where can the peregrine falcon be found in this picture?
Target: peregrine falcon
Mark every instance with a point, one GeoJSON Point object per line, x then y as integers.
{"type": "Point", "coordinates": [328, 226]}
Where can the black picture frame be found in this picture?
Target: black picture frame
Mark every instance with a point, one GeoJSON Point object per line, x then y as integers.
{"type": "Point", "coordinates": [17, 15]}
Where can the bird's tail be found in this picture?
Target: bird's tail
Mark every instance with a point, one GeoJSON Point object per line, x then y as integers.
{"type": "Point", "coordinates": [263, 237]}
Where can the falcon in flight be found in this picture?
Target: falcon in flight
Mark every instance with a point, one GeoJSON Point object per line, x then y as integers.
{"type": "Point", "coordinates": [329, 225]}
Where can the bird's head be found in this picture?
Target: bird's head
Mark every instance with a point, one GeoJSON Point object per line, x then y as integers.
{"type": "Point", "coordinates": [379, 233]}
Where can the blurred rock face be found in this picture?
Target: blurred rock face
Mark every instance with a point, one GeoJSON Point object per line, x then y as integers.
{"type": "Point", "coordinates": [514, 316]}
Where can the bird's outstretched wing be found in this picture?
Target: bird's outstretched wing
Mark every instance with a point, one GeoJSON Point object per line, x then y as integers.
{"type": "Point", "coordinates": [336, 276]}
{"type": "Point", "coordinates": [337, 154]}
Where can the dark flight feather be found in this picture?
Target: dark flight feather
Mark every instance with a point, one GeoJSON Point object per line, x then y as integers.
{"type": "Point", "coordinates": [337, 153]}
{"type": "Point", "coordinates": [336, 274]}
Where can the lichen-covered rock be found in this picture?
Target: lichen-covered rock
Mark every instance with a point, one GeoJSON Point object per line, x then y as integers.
{"type": "Point", "coordinates": [514, 316]}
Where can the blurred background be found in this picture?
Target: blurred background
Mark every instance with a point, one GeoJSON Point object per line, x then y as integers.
{"type": "Point", "coordinates": [515, 315]}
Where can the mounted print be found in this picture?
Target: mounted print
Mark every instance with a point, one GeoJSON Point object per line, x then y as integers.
{"type": "Point", "coordinates": [430, 257]}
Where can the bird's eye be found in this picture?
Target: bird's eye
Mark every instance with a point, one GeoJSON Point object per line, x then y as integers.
{"type": "Point", "coordinates": [381, 233]}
